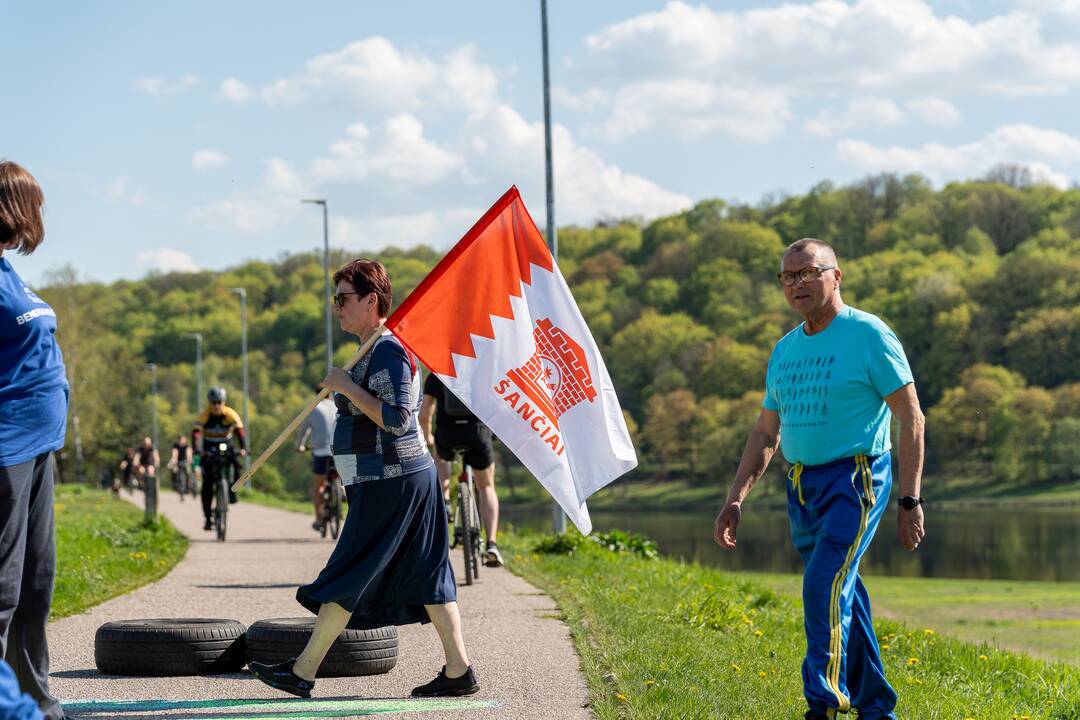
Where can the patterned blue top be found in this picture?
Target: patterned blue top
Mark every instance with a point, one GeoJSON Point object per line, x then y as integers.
{"type": "Point", "coordinates": [388, 373]}
{"type": "Point", "coordinates": [829, 388]}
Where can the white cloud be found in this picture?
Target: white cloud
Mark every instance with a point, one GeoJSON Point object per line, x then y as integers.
{"type": "Point", "coordinates": [398, 152]}
{"type": "Point", "coordinates": [157, 86]}
{"type": "Point", "coordinates": [868, 45]}
{"type": "Point", "coordinates": [235, 91]}
{"type": "Point", "coordinates": [693, 109]}
{"type": "Point", "coordinates": [1038, 149]}
{"type": "Point", "coordinates": [860, 112]}
{"type": "Point", "coordinates": [208, 159]}
{"type": "Point", "coordinates": [438, 229]}
{"type": "Point", "coordinates": [935, 111]}
{"type": "Point", "coordinates": [166, 260]}
{"type": "Point", "coordinates": [264, 208]}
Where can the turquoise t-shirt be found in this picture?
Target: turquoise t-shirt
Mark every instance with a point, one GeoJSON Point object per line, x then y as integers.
{"type": "Point", "coordinates": [829, 389]}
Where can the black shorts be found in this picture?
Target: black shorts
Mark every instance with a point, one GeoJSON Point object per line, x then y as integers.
{"type": "Point", "coordinates": [320, 464]}
{"type": "Point", "coordinates": [474, 441]}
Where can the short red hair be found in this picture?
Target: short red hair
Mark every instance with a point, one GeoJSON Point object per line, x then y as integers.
{"type": "Point", "coordinates": [367, 276]}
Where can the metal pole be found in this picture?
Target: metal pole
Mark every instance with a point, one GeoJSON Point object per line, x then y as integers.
{"type": "Point", "coordinates": [558, 518]}
{"type": "Point", "coordinates": [199, 398]}
{"type": "Point", "coordinates": [326, 281]}
{"type": "Point", "coordinates": [244, 363]}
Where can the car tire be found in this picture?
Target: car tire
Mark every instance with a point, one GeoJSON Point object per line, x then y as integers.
{"type": "Point", "coordinates": [165, 647]}
{"type": "Point", "coordinates": [355, 652]}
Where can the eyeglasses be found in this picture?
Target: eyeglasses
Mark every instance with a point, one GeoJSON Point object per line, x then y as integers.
{"type": "Point", "coordinates": [339, 299]}
{"type": "Point", "coordinates": [807, 274]}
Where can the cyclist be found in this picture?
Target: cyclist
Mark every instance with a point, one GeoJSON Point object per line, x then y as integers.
{"type": "Point", "coordinates": [127, 471]}
{"type": "Point", "coordinates": [219, 423]}
{"type": "Point", "coordinates": [457, 428]}
{"type": "Point", "coordinates": [146, 461]}
{"type": "Point", "coordinates": [181, 458]}
{"type": "Point", "coordinates": [320, 424]}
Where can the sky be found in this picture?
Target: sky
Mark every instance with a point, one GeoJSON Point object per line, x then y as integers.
{"type": "Point", "coordinates": [176, 136]}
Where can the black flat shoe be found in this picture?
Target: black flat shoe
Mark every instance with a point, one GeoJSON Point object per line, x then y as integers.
{"type": "Point", "coordinates": [443, 686]}
{"type": "Point", "coordinates": [281, 677]}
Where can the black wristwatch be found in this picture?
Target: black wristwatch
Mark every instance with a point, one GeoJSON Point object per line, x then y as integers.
{"type": "Point", "coordinates": [909, 502]}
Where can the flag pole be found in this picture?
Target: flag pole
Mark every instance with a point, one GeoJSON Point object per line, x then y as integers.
{"type": "Point", "coordinates": [558, 517]}
{"type": "Point", "coordinates": [291, 428]}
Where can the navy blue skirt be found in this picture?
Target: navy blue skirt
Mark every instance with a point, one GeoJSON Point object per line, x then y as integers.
{"type": "Point", "coordinates": [392, 557]}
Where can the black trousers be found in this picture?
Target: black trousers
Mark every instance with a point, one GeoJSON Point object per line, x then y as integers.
{"type": "Point", "coordinates": [27, 570]}
{"type": "Point", "coordinates": [212, 471]}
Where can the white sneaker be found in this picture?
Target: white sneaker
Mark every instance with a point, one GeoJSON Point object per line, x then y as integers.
{"type": "Point", "coordinates": [493, 558]}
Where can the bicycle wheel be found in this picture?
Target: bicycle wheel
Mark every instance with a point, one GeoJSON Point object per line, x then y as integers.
{"type": "Point", "coordinates": [466, 537]}
{"type": "Point", "coordinates": [335, 511]}
{"type": "Point", "coordinates": [474, 528]}
{"type": "Point", "coordinates": [221, 513]}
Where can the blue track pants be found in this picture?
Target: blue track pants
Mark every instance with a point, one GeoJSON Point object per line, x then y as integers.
{"type": "Point", "coordinates": [834, 510]}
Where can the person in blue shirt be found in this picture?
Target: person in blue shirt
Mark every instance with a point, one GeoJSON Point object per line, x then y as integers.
{"type": "Point", "coordinates": [831, 389]}
{"type": "Point", "coordinates": [33, 422]}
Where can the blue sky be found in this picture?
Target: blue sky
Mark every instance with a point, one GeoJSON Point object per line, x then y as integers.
{"type": "Point", "coordinates": [175, 136]}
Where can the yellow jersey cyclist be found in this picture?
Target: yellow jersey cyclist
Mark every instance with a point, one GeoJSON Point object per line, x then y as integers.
{"type": "Point", "coordinates": [218, 423]}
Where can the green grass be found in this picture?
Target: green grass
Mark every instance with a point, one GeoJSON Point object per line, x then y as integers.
{"type": "Point", "coordinates": [258, 497]}
{"type": "Point", "coordinates": [1038, 618]}
{"type": "Point", "coordinates": [104, 549]}
{"type": "Point", "coordinates": [663, 639]}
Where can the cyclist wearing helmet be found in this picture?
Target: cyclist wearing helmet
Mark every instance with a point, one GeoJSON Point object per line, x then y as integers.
{"type": "Point", "coordinates": [219, 423]}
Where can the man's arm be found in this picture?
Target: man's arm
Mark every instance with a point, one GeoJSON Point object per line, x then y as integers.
{"type": "Point", "coordinates": [427, 412]}
{"type": "Point", "coordinates": [760, 447]}
{"type": "Point", "coordinates": [904, 404]}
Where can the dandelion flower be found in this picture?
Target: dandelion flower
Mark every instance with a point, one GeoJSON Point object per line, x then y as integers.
{"type": "Point", "coordinates": [620, 697]}
{"type": "Point", "coordinates": [928, 631]}
{"type": "Point", "coordinates": [758, 633]}
{"type": "Point", "coordinates": [650, 683]}
{"type": "Point", "coordinates": [983, 658]}
{"type": "Point", "coordinates": [735, 667]}
{"type": "Point", "coordinates": [913, 661]}
{"type": "Point", "coordinates": [885, 648]}
{"type": "Point", "coordinates": [762, 674]}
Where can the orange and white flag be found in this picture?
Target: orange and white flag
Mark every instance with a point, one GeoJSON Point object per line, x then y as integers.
{"type": "Point", "coordinates": [496, 321]}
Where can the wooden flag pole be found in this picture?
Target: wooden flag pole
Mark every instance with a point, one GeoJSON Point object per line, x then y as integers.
{"type": "Point", "coordinates": [364, 347]}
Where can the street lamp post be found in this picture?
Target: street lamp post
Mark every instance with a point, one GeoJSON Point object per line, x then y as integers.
{"type": "Point", "coordinates": [198, 369]}
{"type": "Point", "coordinates": [558, 518]}
{"type": "Point", "coordinates": [326, 281]}
{"type": "Point", "coordinates": [244, 363]}
{"type": "Point", "coordinates": [150, 482]}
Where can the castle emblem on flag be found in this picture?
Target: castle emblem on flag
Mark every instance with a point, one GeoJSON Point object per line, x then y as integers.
{"type": "Point", "coordinates": [556, 377]}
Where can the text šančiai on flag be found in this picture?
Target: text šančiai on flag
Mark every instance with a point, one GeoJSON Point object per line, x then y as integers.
{"type": "Point", "coordinates": [496, 321]}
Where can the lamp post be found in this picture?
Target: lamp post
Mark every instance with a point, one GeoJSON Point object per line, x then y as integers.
{"type": "Point", "coordinates": [558, 518]}
{"type": "Point", "coordinates": [150, 486]}
{"type": "Point", "coordinates": [244, 363]}
{"type": "Point", "coordinates": [198, 369]}
{"type": "Point", "coordinates": [326, 279]}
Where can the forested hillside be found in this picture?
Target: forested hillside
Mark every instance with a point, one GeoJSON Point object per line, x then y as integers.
{"type": "Point", "coordinates": [979, 280]}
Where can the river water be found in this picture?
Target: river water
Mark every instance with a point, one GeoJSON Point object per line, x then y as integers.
{"type": "Point", "coordinates": [975, 543]}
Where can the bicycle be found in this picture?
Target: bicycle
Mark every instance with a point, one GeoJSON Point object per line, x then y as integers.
{"type": "Point", "coordinates": [182, 480]}
{"type": "Point", "coordinates": [218, 465]}
{"type": "Point", "coordinates": [332, 498]}
{"type": "Point", "coordinates": [466, 522]}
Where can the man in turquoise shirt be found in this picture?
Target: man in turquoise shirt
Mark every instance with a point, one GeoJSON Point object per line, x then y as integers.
{"type": "Point", "coordinates": [832, 387]}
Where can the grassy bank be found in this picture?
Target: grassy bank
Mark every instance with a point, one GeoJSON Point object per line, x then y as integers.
{"type": "Point", "coordinates": [104, 549]}
{"type": "Point", "coordinates": [662, 639]}
{"type": "Point", "coordinates": [1036, 618]}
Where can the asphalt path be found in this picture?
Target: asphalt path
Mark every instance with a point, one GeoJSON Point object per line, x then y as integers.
{"type": "Point", "coordinates": [522, 652]}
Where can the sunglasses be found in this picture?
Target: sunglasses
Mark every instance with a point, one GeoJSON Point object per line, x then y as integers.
{"type": "Point", "coordinates": [340, 298]}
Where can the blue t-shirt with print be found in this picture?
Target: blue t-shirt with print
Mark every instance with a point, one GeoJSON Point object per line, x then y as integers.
{"type": "Point", "coordinates": [33, 384]}
{"type": "Point", "coordinates": [829, 388]}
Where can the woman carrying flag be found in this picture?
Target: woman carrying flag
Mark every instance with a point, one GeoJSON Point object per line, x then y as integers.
{"type": "Point", "coordinates": [391, 564]}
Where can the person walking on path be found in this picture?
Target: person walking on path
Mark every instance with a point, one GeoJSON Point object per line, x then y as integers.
{"type": "Point", "coordinates": [320, 426]}
{"type": "Point", "coordinates": [832, 385]}
{"type": "Point", "coordinates": [391, 564]}
{"type": "Point", "coordinates": [33, 423]}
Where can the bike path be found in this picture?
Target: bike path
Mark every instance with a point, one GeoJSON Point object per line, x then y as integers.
{"type": "Point", "coordinates": [523, 654]}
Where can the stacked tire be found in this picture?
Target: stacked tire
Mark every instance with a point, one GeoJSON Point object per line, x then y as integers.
{"type": "Point", "coordinates": [167, 647]}
{"type": "Point", "coordinates": [355, 652]}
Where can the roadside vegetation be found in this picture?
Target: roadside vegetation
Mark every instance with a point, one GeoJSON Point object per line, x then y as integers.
{"type": "Point", "coordinates": [104, 548]}
{"type": "Point", "coordinates": [663, 639]}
